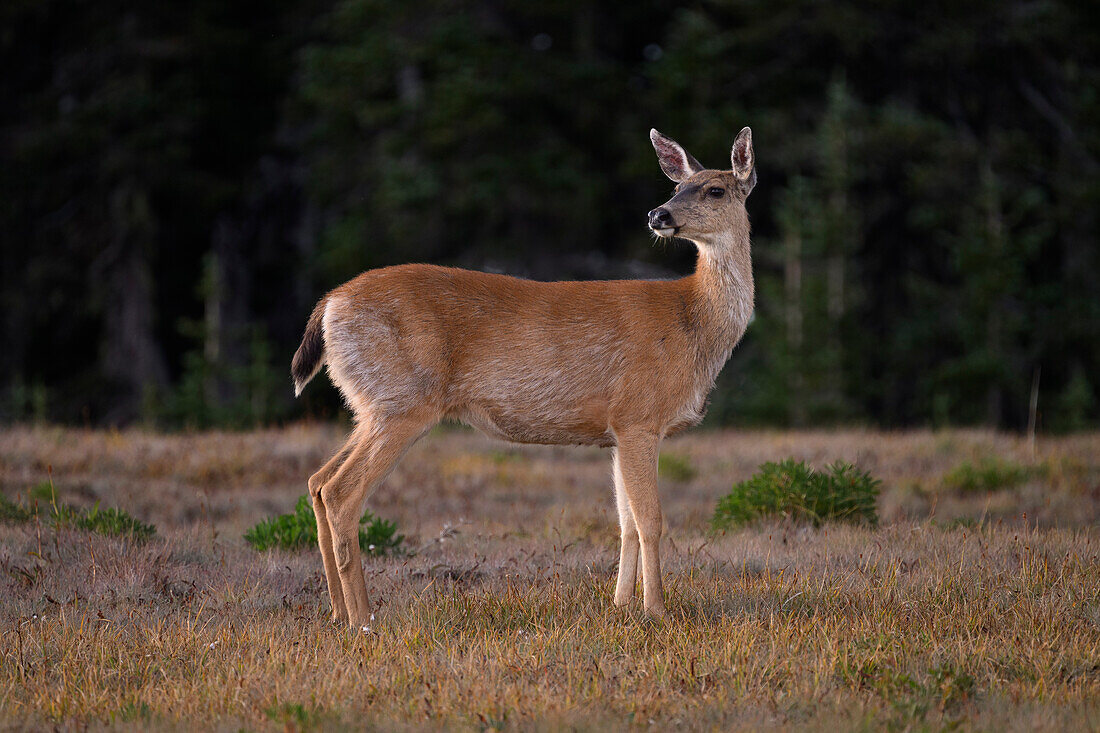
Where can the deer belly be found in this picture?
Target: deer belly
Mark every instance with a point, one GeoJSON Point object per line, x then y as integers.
{"type": "Point", "coordinates": [546, 424]}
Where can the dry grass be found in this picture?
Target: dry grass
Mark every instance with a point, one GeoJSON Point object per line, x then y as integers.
{"type": "Point", "coordinates": [503, 618]}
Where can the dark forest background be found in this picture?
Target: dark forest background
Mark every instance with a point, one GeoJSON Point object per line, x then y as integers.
{"type": "Point", "coordinates": [180, 182]}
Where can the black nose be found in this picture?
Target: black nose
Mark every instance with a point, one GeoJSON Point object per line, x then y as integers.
{"type": "Point", "coordinates": [660, 219]}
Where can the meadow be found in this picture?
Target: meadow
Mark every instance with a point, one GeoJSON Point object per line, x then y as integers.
{"type": "Point", "coordinates": [974, 604]}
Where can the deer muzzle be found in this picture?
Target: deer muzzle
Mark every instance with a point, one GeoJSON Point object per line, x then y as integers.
{"type": "Point", "coordinates": [662, 223]}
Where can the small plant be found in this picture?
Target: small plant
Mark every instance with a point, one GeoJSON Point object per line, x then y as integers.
{"type": "Point", "coordinates": [292, 715]}
{"type": "Point", "coordinates": [43, 493]}
{"type": "Point", "coordinates": [501, 457]}
{"type": "Point", "coordinates": [989, 474]}
{"type": "Point", "coordinates": [290, 531]}
{"type": "Point", "coordinates": [132, 711]}
{"type": "Point", "coordinates": [111, 522]}
{"type": "Point", "coordinates": [675, 467]}
{"type": "Point", "coordinates": [963, 523]}
{"type": "Point", "coordinates": [12, 512]}
{"type": "Point", "coordinates": [794, 490]}
{"type": "Point", "coordinates": [298, 530]}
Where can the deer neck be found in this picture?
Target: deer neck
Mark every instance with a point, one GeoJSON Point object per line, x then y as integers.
{"type": "Point", "coordinates": [723, 287]}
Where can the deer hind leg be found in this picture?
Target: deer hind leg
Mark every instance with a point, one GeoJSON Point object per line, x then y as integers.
{"type": "Point", "coordinates": [636, 456]}
{"type": "Point", "coordinates": [324, 532]}
{"type": "Point", "coordinates": [382, 444]}
{"type": "Point", "coordinates": [628, 548]}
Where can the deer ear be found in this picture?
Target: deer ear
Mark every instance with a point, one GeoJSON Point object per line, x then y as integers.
{"type": "Point", "coordinates": [744, 162]}
{"type": "Point", "coordinates": [675, 161]}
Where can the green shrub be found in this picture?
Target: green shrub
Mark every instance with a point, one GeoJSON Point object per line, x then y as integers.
{"type": "Point", "coordinates": [989, 474]}
{"type": "Point", "coordinates": [111, 522]}
{"type": "Point", "coordinates": [794, 490]}
{"type": "Point", "coordinates": [289, 531]}
{"type": "Point", "coordinates": [299, 530]}
{"type": "Point", "coordinates": [675, 467]}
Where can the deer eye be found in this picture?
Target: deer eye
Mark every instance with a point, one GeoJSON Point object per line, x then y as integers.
{"type": "Point", "coordinates": [716, 192]}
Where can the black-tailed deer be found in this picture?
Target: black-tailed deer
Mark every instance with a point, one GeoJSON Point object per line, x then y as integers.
{"type": "Point", "coordinates": [619, 364]}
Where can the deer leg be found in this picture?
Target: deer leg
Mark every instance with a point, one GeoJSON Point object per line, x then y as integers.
{"type": "Point", "coordinates": [637, 460]}
{"type": "Point", "coordinates": [372, 459]}
{"type": "Point", "coordinates": [324, 532]}
{"type": "Point", "coordinates": [628, 548]}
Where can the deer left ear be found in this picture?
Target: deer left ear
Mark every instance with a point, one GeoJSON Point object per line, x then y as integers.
{"type": "Point", "coordinates": [677, 163]}
{"type": "Point", "coordinates": [744, 162]}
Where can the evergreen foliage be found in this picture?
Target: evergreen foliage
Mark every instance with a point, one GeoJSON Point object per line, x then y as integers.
{"type": "Point", "coordinates": [795, 491]}
{"type": "Point", "coordinates": [179, 183]}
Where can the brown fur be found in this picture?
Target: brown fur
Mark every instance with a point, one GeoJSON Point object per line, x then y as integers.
{"type": "Point", "coordinates": [615, 363]}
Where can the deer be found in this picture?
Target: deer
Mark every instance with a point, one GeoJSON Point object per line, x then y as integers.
{"type": "Point", "coordinates": [619, 364]}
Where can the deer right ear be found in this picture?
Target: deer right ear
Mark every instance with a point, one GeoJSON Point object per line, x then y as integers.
{"type": "Point", "coordinates": [675, 161]}
{"type": "Point", "coordinates": [744, 160]}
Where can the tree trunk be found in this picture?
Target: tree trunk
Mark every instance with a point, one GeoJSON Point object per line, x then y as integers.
{"type": "Point", "coordinates": [131, 356]}
{"type": "Point", "coordinates": [225, 346]}
{"type": "Point", "coordinates": [792, 280]}
{"type": "Point", "coordinates": [994, 328]}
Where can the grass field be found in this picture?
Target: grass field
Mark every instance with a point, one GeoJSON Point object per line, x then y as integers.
{"type": "Point", "coordinates": [975, 603]}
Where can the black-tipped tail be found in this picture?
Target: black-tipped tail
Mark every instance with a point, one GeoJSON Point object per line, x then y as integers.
{"type": "Point", "coordinates": [310, 354]}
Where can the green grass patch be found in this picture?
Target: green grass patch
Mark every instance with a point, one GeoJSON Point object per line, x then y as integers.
{"type": "Point", "coordinates": [962, 523]}
{"type": "Point", "coordinates": [111, 522]}
{"type": "Point", "coordinates": [912, 697]}
{"type": "Point", "coordinates": [133, 711]}
{"type": "Point", "coordinates": [295, 716]}
{"type": "Point", "coordinates": [675, 467]}
{"type": "Point", "coordinates": [43, 492]}
{"type": "Point", "coordinates": [298, 530]}
{"type": "Point", "coordinates": [13, 513]}
{"type": "Point", "coordinates": [500, 457]}
{"type": "Point", "coordinates": [988, 474]}
{"type": "Point", "coordinates": [796, 491]}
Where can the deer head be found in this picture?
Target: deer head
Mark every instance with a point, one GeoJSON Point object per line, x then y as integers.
{"type": "Point", "coordinates": [706, 201]}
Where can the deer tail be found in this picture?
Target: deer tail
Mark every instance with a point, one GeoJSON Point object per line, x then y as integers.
{"type": "Point", "coordinates": [311, 353]}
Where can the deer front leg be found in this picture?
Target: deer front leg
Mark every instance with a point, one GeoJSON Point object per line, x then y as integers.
{"type": "Point", "coordinates": [628, 549]}
{"type": "Point", "coordinates": [636, 457]}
